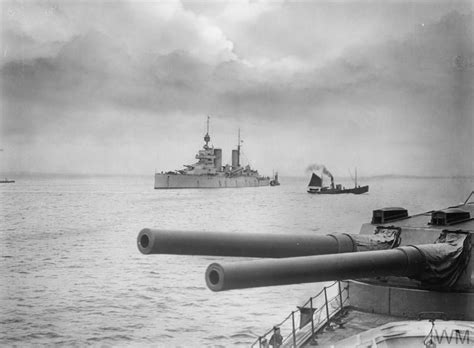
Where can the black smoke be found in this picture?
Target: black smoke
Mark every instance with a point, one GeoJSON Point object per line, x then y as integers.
{"type": "Point", "coordinates": [322, 167]}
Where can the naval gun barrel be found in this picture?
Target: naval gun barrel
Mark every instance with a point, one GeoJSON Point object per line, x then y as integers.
{"type": "Point", "coordinates": [265, 245]}
{"type": "Point", "coordinates": [403, 261]}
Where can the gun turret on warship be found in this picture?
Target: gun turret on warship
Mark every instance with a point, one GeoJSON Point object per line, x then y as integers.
{"type": "Point", "coordinates": [404, 280]}
{"type": "Point", "coordinates": [208, 171]}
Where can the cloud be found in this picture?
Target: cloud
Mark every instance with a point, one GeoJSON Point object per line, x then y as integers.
{"type": "Point", "coordinates": [37, 29]}
{"type": "Point", "coordinates": [138, 71]}
{"type": "Point", "coordinates": [315, 33]}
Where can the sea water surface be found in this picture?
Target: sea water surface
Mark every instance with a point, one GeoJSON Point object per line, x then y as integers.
{"type": "Point", "coordinates": [71, 273]}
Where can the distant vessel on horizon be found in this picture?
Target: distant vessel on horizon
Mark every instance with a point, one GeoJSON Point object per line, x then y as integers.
{"type": "Point", "coordinates": [208, 171]}
{"type": "Point", "coordinates": [316, 186]}
{"type": "Point", "coordinates": [6, 181]}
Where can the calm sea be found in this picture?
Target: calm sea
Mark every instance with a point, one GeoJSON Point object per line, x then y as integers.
{"type": "Point", "coordinates": [71, 273]}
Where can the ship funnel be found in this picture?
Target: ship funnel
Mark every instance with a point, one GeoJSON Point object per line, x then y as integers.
{"type": "Point", "coordinates": [218, 159]}
{"type": "Point", "coordinates": [235, 159]}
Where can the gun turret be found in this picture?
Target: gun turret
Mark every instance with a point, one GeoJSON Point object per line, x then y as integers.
{"type": "Point", "coordinates": [399, 265]}
{"type": "Point", "coordinates": [408, 261]}
{"type": "Point", "coordinates": [305, 258]}
{"type": "Point", "coordinates": [265, 245]}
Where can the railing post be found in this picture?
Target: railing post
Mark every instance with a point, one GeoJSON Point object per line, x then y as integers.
{"type": "Point", "coordinates": [340, 292]}
{"type": "Point", "coordinates": [326, 303]}
{"type": "Point", "coordinates": [312, 316]}
{"type": "Point", "coordinates": [294, 330]}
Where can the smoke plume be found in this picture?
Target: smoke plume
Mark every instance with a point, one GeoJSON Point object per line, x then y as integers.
{"type": "Point", "coordinates": [322, 167]}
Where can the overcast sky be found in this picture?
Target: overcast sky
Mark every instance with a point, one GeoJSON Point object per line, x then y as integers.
{"type": "Point", "coordinates": [125, 86]}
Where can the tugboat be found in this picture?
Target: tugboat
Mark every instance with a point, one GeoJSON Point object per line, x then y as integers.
{"type": "Point", "coordinates": [274, 181]}
{"type": "Point", "coordinates": [316, 186]}
{"type": "Point", "coordinates": [404, 280]}
{"type": "Point", "coordinates": [208, 171]}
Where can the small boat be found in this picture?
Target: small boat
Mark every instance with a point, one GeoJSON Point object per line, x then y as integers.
{"type": "Point", "coordinates": [316, 186]}
{"type": "Point", "coordinates": [6, 181]}
{"type": "Point", "coordinates": [274, 181]}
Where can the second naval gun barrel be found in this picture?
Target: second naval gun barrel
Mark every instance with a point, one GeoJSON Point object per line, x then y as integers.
{"type": "Point", "coordinates": [403, 261]}
{"type": "Point", "coordinates": [265, 245]}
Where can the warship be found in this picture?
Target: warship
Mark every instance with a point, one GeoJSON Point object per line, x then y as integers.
{"type": "Point", "coordinates": [208, 171]}
{"type": "Point", "coordinates": [403, 280]}
{"type": "Point", "coordinates": [316, 186]}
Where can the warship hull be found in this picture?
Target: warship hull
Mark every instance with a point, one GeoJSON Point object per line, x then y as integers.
{"type": "Point", "coordinates": [364, 312]}
{"type": "Point", "coordinates": [187, 181]}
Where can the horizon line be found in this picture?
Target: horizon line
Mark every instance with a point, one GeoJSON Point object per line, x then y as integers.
{"type": "Point", "coordinates": [375, 176]}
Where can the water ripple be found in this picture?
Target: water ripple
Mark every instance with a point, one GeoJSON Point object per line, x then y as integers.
{"type": "Point", "coordinates": [71, 274]}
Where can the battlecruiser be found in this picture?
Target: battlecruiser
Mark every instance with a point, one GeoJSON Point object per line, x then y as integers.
{"type": "Point", "coordinates": [208, 171]}
{"type": "Point", "coordinates": [404, 280]}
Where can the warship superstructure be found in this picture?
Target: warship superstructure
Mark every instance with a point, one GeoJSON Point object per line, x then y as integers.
{"type": "Point", "coordinates": [403, 281]}
{"type": "Point", "coordinates": [208, 171]}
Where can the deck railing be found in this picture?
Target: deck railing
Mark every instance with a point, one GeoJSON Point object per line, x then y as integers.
{"type": "Point", "coordinates": [303, 323]}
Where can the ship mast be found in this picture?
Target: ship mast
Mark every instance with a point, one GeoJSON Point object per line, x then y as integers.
{"type": "Point", "coordinates": [238, 151]}
{"type": "Point", "coordinates": [207, 138]}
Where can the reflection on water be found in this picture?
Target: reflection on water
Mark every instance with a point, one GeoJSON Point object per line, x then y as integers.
{"type": "Point", "coordinates": [71, 273]}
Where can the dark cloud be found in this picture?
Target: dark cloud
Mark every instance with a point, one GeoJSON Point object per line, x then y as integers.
{"type": "Point", "coordinates": [415, 91]}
